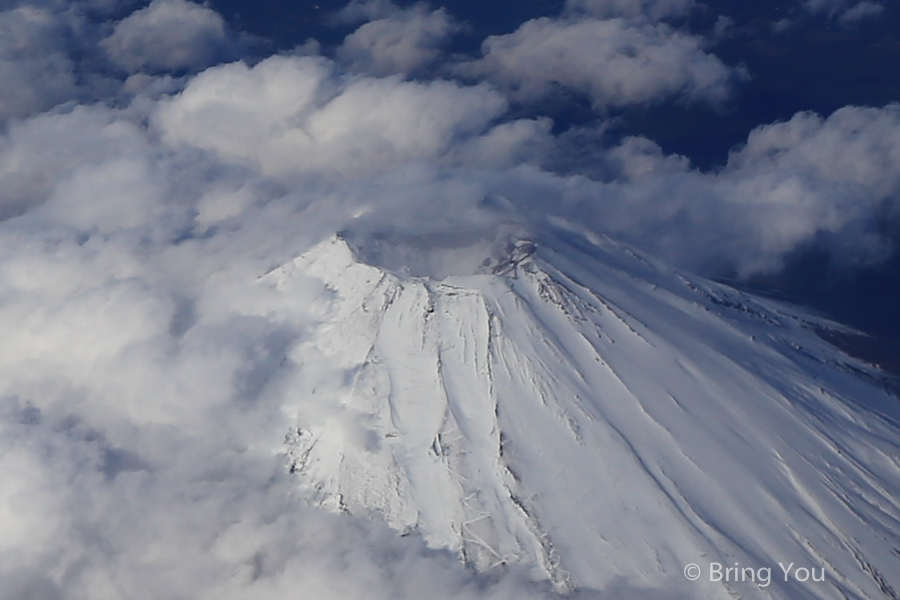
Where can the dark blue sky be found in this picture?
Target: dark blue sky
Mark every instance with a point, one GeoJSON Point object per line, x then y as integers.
{"type": "Point", "coordinates": [817, 65]}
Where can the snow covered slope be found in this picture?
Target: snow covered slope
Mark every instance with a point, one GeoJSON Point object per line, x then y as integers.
{"type": "Point", "coordinates": [581, 409]}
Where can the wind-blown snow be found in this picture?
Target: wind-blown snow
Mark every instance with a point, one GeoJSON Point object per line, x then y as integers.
{"type": "Point", "coordinates": [587, 412]}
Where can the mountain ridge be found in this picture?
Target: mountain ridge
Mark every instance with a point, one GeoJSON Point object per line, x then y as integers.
{"type": "Point", "coordinates": [579, 408]}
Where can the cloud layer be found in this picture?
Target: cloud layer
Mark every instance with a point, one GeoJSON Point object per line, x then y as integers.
{"type": "Point", "coordinates": [828, 183]}
{"type": "Point", "coordinates": [144, 399]}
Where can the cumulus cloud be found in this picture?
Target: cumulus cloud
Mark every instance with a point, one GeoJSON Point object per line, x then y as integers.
{"type": "Point", "coordinates": [861, 11]}
{"type": "Point", "coordinates": [169, 35]}
{"type": "Point", "coordinates": [613, 62]}
{"type": "Point", "coordinates": [401, 41]}
{"type": "Point", "coordinates": [848, 12]}
{"type": "Point", "coordinates": [296, 114]}
{"type": "Point", "coordinates": [360, 11]}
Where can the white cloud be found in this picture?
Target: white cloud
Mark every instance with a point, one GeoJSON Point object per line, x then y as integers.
{"type": "Point", "coordinates": [35, 70]}
{"type": "Point", "coordinates": [360, 11]}
{"type": "Point", "coordinates": [52, 52]}
{"type": "Point", "coordinates": [403, 41]}
{"type": "Point", "coordinates": [847, 12]}
{"type": "Point", "coordinates": [861, 11]}
{"type": "Point", "coordinates": [614, 62]}
{"type": "Point", "coordinates": [169, 35]}
{"type": "Point", "coordinates": [36, 154]}
{"type": "Point", "coordinates": [810, 181]}
{"type": "Point", "coordinates": [290, 114]}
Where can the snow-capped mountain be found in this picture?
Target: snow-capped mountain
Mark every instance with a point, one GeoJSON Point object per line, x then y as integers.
{"type": "Point", "coordinates": [571, 405]}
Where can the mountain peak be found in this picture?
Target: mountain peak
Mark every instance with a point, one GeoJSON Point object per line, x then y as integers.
{"type": "Point", "coordinates": [575, 407]}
